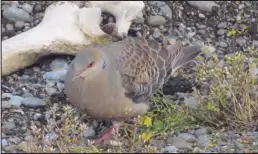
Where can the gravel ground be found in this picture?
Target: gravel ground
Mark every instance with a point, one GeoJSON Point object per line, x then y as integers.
{"type": "Point", "coordinates": [33, 90]}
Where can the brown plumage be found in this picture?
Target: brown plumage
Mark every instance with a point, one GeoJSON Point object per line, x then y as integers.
{"type": "Point", "coordinates": [117, 81]}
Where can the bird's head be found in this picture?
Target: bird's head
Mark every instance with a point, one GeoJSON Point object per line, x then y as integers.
{"type": "Point", "coordinates": [88, 63]}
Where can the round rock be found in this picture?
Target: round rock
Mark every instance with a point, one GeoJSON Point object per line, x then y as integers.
{"type": "Point", "coordinates": [19, 24]}
{"type": "Point", "coordinates": [27, 7]}
{"type": "Point", "coordinates": [33, 102]}
{"type": "Point", "coordinates": [156, 20]}
{"type": "Point", "coordinates": [15, 14]}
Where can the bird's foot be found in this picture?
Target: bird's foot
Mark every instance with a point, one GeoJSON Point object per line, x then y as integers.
{"type": "Point", "coordinates": [105, 135]}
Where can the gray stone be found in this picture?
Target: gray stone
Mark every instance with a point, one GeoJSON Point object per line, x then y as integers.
{"type": "Point", "coordinates": [15, 14]}
{"type": "Point", "coordinates": [27, 95]}
{"type": "Point", "coordinates": [221, 32]}
{"type": "Point", "coordinates": [19, 24]}
{"type": "Point", "coordinates": [51, 136]}
{"type": "Point", "coordinates": [255, 43]}
{"type": "Point", "coordinates": [156, 20]}
{"type": "Point", "coordinates": [188, 137]}
{"type": "Point", "coordinates": [9, 125]}
{"type": "Point", "coordinates": [169, 149]}
{"type": "Point", "coordinates": [200, 132]}
{"type": "Point", "coordinates": [223, 44]}
{"type": "Point", "coordinates": [201, 26]}
{"type": "Point", "coordinates": [191, 102]}
{"type": "Point", "coordinates": [6, 104]}
{"type": "Point", "coordinates": [203, 140]}
{"type": "Point", "coordinates": [89, 132]}
{"type": "Point", "coordinates": [51, 91]}
{"type": "Point", "coordinates": [163, 7]}
{"type": "Point", "coordinates": [9, 27]}
{"type": "Point", "coordinates": [15, 140]}
{"type": "Point", "coordinates": [10, 148]}
{"type": "Point", "coordinates": [4, 142]}
{"type": "Point", "coordinates": [180, 143]}
{"type": "Point", "coordinates": [241, 41]}
{"type": "Point", "coordinates": [208, 6]}
{"type": "Point", "coordinates": [27, 7]}
{"type": "Point", "coordinates": [200, 15]}
{"type": "Point", "coordinates": [58, 64]}
{"type": "Point", "coordinates": [222, 25]}
{"type": "Point", "coordinates": [55, 75]}
{"type": "Point", "coordinates": [33, 102]}
{"type": "Point", "coordinates": [241, 6]}
{"type": "Point", "coordinates": [156, 33]}
{"type": "Point", "coordinates": [16, 100]}
{"type": "Point", "coordinates": [37, 8]}
{"type": "Point", "coordinates": [7, 95]}
{"type": "Point", "coordinates": [37, 116]}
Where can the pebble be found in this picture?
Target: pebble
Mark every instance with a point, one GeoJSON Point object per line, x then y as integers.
{"type": "Point", "coordinates": [9, 27]}
{"type": "Point", "coordinates": [203, 139]}
{"type": "Point", "coordinates": [33, 102]}
{"type": "Point", "coordinates": [51, 91]}
{"type": "Point", "coordinates": [180, 143]}
{"type": "Point", "coordinates": [15, 14]}
{"type": "Point", "coordinates": [223, 44]}
{"type": "Point", "coordinates": [55, 75]}
{"type": "Point", "coordinates": [208, 6]}
{"type": "Point", "coordinates": [58, 64]}
{"type": "Point", "coordinates": [51, 136]}
{"type": "Point", "coordinates": [27, 95]}
{"type": "Point", "coordinates": [27, 7]}
{"type": "Point", "coordinates": [255, 43]}
{"type": "Point", "coordinates": [6, 104]}
{"type": "Point", "coordinates": [201, 26]}
{"type": "Point", "coordinates": [163, 7]}
{"type": "Point", "coordinates": [241, 6]}
{"type": "Point", "coordinates": [188, 137]}
{"type": "Point", "coordinates": [222, 25]}
{"type": "Point", "coordinates": [10, 148]}
{"type": "Point", "coordinates": [156, 33]}
{"type": "Point", "coordinates": [15, 140]}
{"type": "Point", "coordinates": [200, 15]}
{"type": "Point", "coordinates": [169, 149]}
{"type": "Point", "coordinates": [37, 116]}
{"type": "Point", "coordinates": [221, 32]}
{"type": "Point", "coordinates": [115, 143]}
{"type": "Point", "coordinates": [200, 131]}
{"type": "Point", "coordinates": [191, 102]}
{"type": "Point", "coordinates": [8, 125]}
{"type": "Point", "coordinates": [19, 24]}
{"type": "Point", "coordinates": [156, 20]}
{"type": "Point", "coordinates": [89, 132]}
{"type": "Point", "coordinates": [4, 142]}
{"type": "Point", "coordinates": [241, 41]}
{"type": "Point", "coordinates": [60, 86]}
{"type": "Point", "coordinates": [37, 8]}
{"type": "Point", "coordinates": [16, 100]}
{"type": "Point", "coordinates": [23, 146]}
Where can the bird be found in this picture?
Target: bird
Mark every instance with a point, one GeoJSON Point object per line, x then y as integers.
{"type": "Point", "coordinates": [117, 81]}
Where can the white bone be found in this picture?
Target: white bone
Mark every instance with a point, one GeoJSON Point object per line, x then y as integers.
{"type": "Point", "coordinates": [123, 11]}
{"type": "Point", "coordinates": [65, 29]}
{"type": "Point", "coordinates": [58, 33]}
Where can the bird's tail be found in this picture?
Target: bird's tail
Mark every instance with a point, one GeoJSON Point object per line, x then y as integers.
{"type": "Point", "coordinates": [180, 55]}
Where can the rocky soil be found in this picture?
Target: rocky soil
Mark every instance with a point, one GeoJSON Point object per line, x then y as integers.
{"type": "Point", "coordinates": [28, 95]}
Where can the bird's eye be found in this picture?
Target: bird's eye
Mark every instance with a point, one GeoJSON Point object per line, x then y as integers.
{"type": "Point", "coordinates": [91, 64]}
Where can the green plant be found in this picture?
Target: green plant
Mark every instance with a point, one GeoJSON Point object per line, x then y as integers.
{"type": "Point", "coordinates": [228, 93]}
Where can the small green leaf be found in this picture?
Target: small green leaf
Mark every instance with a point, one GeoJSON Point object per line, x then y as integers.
{"type": "Point", "coordinates": [158, 124]}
